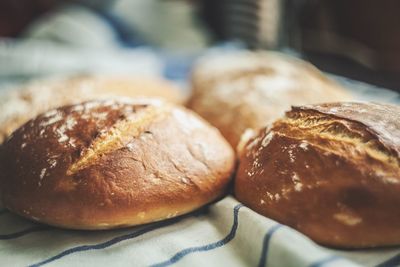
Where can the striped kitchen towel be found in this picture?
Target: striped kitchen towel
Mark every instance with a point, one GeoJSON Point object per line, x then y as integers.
{"type": "Point", "coordinates": [223, 234]}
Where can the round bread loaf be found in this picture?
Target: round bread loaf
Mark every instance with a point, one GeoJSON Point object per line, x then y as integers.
{"type": "Point", "coordinates": [331, 171]}
{"type": "Point", "coordinates": [20, 105]}
{"type": "Point", "coordinates": [112, 164]}
{"type": "Point", "coordinates": [239, 90]}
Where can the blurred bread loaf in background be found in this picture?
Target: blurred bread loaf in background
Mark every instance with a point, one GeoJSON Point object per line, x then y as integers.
{"type": "Point", "coordinates": [238, 90]}
{"type": "Point", "coordinates": [331, 171]}
{"type": "Point", "coordinates": [18, 106]}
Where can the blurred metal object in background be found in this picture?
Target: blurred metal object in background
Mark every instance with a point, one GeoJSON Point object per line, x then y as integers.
{"type": "Point", "coordinates": [257, 23]}
{"type": "Point", "coordinates": [355, 38]}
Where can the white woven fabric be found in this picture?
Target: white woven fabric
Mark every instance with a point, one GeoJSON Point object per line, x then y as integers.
{"type": "Point", "coordinates": [224, 234]}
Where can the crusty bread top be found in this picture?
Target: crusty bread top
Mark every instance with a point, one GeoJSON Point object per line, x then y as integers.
{"type": "Point", "coordinates": [352, 130]}
{"type": "Point", "coordinates": [336, 129]}
{"type": "Point", "coordinates": [383, 120]}
{"type": "Point", "coordinates": [76, 135]}
{"type": "Point", "coordinates": [21, 104]}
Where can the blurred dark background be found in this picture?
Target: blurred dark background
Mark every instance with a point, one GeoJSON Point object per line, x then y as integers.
{"type": "Point", "coordinates": [353, 38]}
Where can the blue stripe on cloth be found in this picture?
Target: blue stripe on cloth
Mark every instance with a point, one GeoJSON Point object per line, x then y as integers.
{"type": "Point", "coordinates": [33, 229]}
{"type": "Point", "coordinates": [178, 256]}
{"type": "Point", "coordinates": [265, 247]}
{"type": "Point", "coordinates": [394, 261]}
{"type": "Point", "coordinates": [108, 243]}
{"type": "Point", "coordinates": [324, 261]}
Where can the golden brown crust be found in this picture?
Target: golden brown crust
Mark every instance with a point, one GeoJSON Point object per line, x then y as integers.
{"type": "Point", "coordinates": [327, 172]}
{"type": "Point", "coordinates": [110, 164]}
{"type": "Point", "coordinates": [244, 90]}
{"type": "Point", "coordinates": [380, 119]}
{"type": "Point", "coordinates": [20, 105]}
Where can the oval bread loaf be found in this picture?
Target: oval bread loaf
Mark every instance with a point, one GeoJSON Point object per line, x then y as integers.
{"type": "Point", "coordinates": [107, 164]}
{"type": "Point", "coordinates": [331, 171]}
{"type": "Point", "coordinates": [240, 90]}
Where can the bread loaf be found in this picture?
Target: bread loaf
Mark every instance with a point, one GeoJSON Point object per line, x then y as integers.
{"type": "Point", "coordinates": [107, 164]}
{"type": "Point", "coordinates": [239, 90]}
{"type": "Point", "coordinates": [331, 171]}
{"type": "Point", "coordinates": [20, 105]}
